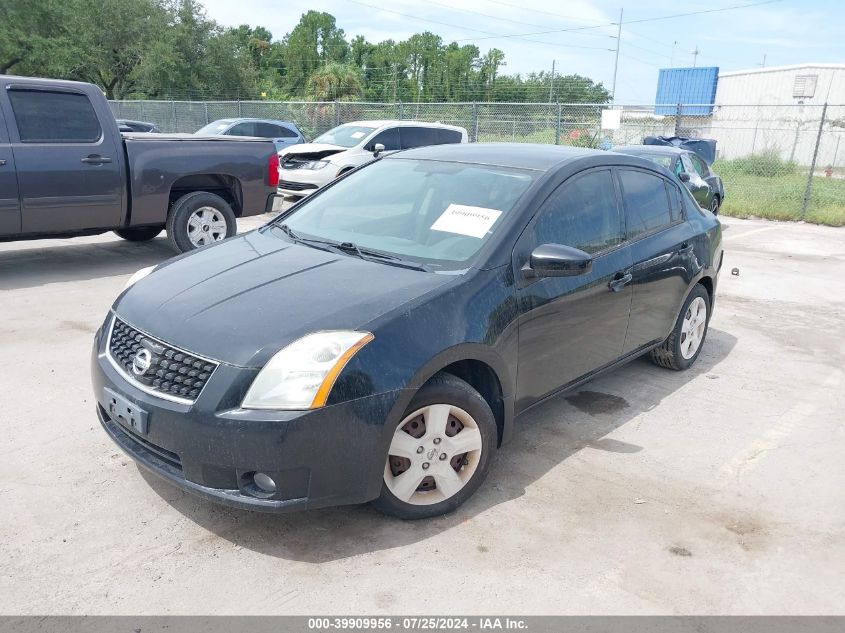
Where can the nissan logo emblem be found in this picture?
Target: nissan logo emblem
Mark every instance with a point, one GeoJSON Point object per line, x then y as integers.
{"type": "Point", "coordinates": [142, 361]}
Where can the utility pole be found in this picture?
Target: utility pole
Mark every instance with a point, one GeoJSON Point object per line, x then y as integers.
{"type": "Point", "coordinates": [695, 56]}
{"type": "Point", "coordinates": [672, 58]}
{"type": "Point", "coordinates": [552, 82]}
{"type": "Point", "coordinates": [763, 65]}
{"type": "Point", "coordinates": [616, 61]}
{"type": "Point", "coordinates": [394, 83]}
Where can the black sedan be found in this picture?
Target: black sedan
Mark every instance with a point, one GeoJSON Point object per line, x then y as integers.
{"type": "Point", "coordinates": [705, 185]}
{"type": "Point", "coordinates": [377, 341]}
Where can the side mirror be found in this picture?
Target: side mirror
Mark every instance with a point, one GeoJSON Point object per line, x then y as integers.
{"type": "Point", "coordinates": [556, 260]}
{"type": "Point", "coordinates": [684, 176]}
{"type": "Point", "coordinates": [378, 148]}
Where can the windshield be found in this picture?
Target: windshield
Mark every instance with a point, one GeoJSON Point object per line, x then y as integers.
{"type": "Point", "coordinates": [345, 135]}
{"type": "Point", "coordinates": [212, 129]}
{"type": "Point", "coordinates": [430, 212]}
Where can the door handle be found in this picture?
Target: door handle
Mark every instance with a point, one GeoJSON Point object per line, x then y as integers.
{"type": "Point", "coordinates": [95, 159]}
{"type": "Point", "coordinates": [619, 281]}
{"type": "Point", "coordinates": [686, 247]}
{"type": "Point", "coordinates": [2, 161]}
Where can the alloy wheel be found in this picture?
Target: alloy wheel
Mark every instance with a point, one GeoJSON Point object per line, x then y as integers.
{"type": "Point", "coordinates": [205, 226]}
{"type": "Point", "coordinates": [693, 327]}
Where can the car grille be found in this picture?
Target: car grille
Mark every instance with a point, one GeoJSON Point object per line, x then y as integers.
{"type": "Point", "coordinates": [295, 186]}
{"type": "Point", "coordinates": [171, 371]}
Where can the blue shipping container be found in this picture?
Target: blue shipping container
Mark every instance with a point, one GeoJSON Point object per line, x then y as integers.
{"type": "Point", "coordinates": [687, 85]}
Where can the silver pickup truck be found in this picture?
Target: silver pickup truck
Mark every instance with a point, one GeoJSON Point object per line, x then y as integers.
{"type": "Point", "coordinates": [66, 170]}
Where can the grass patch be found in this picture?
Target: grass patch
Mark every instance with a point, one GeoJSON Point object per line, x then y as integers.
{"type": "Point", "coordinates": [780, 197]}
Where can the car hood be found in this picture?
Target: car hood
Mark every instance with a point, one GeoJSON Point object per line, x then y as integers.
{"type": "Point", "coordinates": [244, 299]}
{"type": "Point", "coordinates": [318, 150]}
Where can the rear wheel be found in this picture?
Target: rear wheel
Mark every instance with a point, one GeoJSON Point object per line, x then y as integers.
{"type": "Point", "coordinates": [440, 451]}
{"type": "Point", "coordinates": [684, 344]}
{"type": "Point", "coordinates": [198, 219]}
{"type": "Point", "coordinates": [714, 205]}
{"type": "Point", "coordinates": [139, 233]}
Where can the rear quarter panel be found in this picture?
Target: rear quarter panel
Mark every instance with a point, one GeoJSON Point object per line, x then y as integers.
{"type": "Point", "coordinates": [155, 164]}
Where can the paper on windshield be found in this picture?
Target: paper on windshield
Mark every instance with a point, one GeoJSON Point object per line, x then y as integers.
{"type": "Point", "coordinates": [466, 220]}
{"type": "Point", "coordinates": [357, 134]}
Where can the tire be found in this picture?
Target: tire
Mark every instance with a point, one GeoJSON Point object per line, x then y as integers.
{"type": "Point", "coordinates": [715, 203]}
{"type": "Point", "coordinates": [139, 233]}
{"type": "Point", "coordinates": [198, 219]}
{"type": "Point", "coordinates": [680, 351]}
{"type": "Point", "coordinates": [462, 472]}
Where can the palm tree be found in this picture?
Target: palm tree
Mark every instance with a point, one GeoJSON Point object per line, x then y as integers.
{"type": "Point", "coordinates": [335, 81]}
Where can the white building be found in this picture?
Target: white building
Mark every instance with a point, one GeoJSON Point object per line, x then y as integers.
{"type": "Point", "coordinates": [779, 109]}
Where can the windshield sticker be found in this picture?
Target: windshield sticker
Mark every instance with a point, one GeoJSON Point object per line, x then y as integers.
{"type": "Point", "coordinates": [466, 220]}
{"type": "Point", "coordinates": [357, 134]}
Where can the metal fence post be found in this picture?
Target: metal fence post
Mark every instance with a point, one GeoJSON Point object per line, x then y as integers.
{"type": "Point", "coordinates": [557, 125]}
{"type": "Point", "coordinates": [239, 107]}
{"type": "Point", "coordinates": [206, 112]}
{"type": "Point", "coordinates": [401, 110]}
{"type": "Point", "coordinates": [474, 138]}
{"type": "Point", "coordinates": [173, 111]}
{"type": "Point", "coordinates": [336, 112]}
{"type": "Point", "coordinates": [809, 189]}
{"type": "Point", "coordinates": [678, 120]}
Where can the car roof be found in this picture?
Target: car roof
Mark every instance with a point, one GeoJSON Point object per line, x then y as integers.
{"type": "Point", "coordinates": [245, 119]}
{"type": "Point", "coordinates": [376, 123]}
{"type": "Point", "coordinates": [650, 149]}
{"type": "Point", "coordinates": [517, 155]}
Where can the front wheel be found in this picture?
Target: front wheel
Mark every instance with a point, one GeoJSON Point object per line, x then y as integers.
{"type": "Point", "coordinates": [198, 219]}
{"type": "Point", "coordinates": [684, 344]}
{"type": "Point", "coordinates": [440, 452]}
{"type": "Point", "coordinates": [139, 233]}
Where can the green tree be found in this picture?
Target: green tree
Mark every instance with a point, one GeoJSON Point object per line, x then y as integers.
{"type": "Point", "coordinates": [34, 38]}
{"type": "Point", "coordinates": [315, 41]}
{"type": "Point", "coordinates": [335, 81]}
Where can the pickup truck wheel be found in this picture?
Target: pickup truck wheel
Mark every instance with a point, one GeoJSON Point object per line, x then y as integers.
{"type": "Point", "coordinates": [198, 219]}
{"type": "Point", "coordinates": [140, 233]}
{"type": "Point", "coordinates": [440, 451]}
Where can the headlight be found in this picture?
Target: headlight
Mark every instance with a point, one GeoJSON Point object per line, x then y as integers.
{"type": "Point", "coordinates": [302, 374]}
{"type": "Point", "coordinates": [138, 276]}
{"type": "Point", "coordinates": [315, 164]}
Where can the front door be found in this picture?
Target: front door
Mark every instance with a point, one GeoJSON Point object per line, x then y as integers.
{"type": "Point", "coordinates": [571, 326]}
{"type": "Point", "coordinates": [10, 207]}
{"type": "Point", "coordinates": [69, 170]}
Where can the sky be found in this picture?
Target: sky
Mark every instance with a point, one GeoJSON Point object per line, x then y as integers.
{"type": "Point", "coordinates": [784, 32]}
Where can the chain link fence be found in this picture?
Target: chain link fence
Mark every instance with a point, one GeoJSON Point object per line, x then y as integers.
{"type": "Point", "coordinates": [777, 161]}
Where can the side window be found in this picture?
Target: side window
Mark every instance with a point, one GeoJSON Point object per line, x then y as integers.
{"type": "Point", "coordinates": [266, 130]}
{"type": "Point", "coordinates": [679, 167]}
{"type": "Point", "coordinates": [700, 166]}
{"type": "Point", "coordinates": [448, 136]}
{"type": "Point", "coordinates": [286, 132]}
{"type": "Point", "coordinates": [675, 203]}
{"type": "Point", "coordinates": [54, 117]}
{"type": "Point", "coordinates": [646, 202]}
{"type": "Point", "coordinates": [417, 137]}
{"type": "Point", "coordinates": [247, 128]}
{"type": "Point", "coordinates": [388, 138]}
{"type": "Point", "coordinates": [687, 163]}
{"type": "Point", "coordinates": [582, 213]}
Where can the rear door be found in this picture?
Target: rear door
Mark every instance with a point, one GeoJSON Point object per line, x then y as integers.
{"type": "Point", "coordinates": [282, 136]}
{"type": "Point", "coordinates": [10, 207]}
{"type": "Point", "coordinates": [661, 244]}
{"type": "Point", "coordinates": [68, 166]}
{"type": "Point", "coordinates": [699, 188]}
{"type": "Point", "coordinates": [571, 326]}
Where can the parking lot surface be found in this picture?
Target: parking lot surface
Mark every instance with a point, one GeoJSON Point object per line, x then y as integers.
{"type": "Point", "coordinates": [717, 490]}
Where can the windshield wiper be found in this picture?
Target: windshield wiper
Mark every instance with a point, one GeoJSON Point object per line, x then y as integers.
{"type": "Point", "coordinates": [386, 258]}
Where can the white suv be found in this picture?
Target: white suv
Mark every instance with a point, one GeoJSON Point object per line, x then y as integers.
{"type": "Point", "coordinates": [305, 168]}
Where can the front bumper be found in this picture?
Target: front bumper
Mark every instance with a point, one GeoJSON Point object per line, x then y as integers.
{"type": "Point", "coordinates": [303, 182]}
{"type": "Point", "coordinates": [323, 457]}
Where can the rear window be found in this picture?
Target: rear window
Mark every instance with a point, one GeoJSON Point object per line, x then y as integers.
{"type": "Point", "coordinates": [448, 136]}
{"type": "Point", "coordinates": [54, 117]}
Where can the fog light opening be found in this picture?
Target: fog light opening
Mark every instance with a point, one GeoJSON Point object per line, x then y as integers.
{"type": "Point", "coordinates": [264, 483]}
